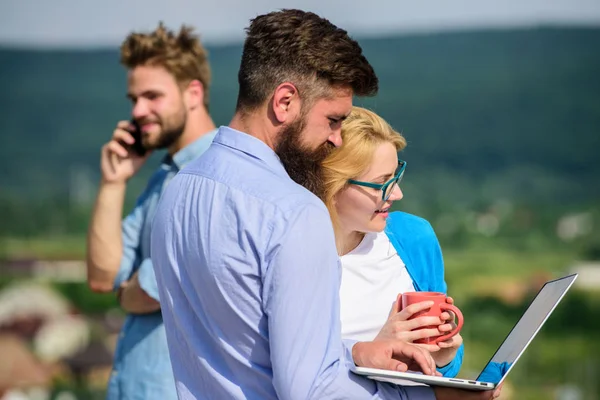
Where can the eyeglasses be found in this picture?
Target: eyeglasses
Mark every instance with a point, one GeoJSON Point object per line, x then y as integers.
{"type": "Point", "coordinates": [388, 187]}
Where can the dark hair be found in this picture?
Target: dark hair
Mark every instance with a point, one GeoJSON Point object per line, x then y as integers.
{"type": "Point", "coordinates": [304, 49]}
{"type": "Point", "coordinates": [181, 54]}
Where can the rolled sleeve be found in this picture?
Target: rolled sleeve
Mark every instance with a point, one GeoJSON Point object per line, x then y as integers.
{"type": "Point", "coordinates": [348, 345]}
{"type": "Point", "coordinates": [147, 279]}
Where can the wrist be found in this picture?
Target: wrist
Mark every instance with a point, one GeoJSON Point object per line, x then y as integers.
{"type": "Point", "coordinates": [120, 292]}
{"type": "Point", "coordinates": [120, 184]}
{"type": "Point", "coordinates": [443, 359]}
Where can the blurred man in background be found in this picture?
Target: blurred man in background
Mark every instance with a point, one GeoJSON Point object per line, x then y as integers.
{"type": "Point", "coordinates": [168, 84]}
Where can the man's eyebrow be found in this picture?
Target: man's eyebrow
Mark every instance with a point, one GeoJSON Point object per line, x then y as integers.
{"type": "Point", "coordinates": [148, 92]}
{"type": "Point", "coordinates": [339, 117]}
{"type": "Point", "coordinates": [344, 116]}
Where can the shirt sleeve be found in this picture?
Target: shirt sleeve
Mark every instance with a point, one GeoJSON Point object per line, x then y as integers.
{"type": "Point", "coordinates": [131, 228]}
{"type": "Point", "coordinates": [301, 301]}
{"type": "Point", "coordinates": [147, 279]}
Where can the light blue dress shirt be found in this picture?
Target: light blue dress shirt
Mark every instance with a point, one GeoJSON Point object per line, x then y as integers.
{"type": "Point", "coordinates": [249, 279]}
{"type": "Point", "coordinates": [141, 368]}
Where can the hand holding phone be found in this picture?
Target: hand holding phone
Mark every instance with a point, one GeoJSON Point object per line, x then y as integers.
{"type": "Point", "coordinates": [124, 154]}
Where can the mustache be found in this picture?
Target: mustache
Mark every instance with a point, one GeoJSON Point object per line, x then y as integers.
{"type": "Point", "coordinates": [144, 121]}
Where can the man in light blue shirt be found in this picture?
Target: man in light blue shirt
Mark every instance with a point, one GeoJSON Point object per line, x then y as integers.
{"type": "Point", "coordinates": [141, 367]}
{"type": "Point", "coordinates": [245, 256]}
{"type": "Point", "coordinates": [168, 81]}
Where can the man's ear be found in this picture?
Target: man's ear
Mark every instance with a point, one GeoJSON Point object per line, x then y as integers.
{"type": "Point", "coordinates": [193, 94]}
{"type": "Point", "coordinates": [286, 103]}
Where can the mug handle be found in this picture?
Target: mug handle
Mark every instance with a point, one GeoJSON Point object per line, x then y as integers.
{"type": "Point", "coordinates": [459, 324]}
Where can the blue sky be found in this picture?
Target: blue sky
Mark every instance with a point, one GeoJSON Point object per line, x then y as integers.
{"type": "Point", "coordinates": [91, 23]}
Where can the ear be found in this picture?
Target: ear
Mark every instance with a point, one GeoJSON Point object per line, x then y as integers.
{"type": "Point", "coordinates": [193, 95]}
{"type": "Point", "coordinates": [286, 102]}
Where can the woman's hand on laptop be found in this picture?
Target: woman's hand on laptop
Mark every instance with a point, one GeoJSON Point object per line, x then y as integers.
{"type": "Point", "coordinates": [393, 355]}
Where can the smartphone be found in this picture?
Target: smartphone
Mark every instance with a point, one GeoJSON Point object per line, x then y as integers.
{"type": "Point", "coordinates": [137, 146]}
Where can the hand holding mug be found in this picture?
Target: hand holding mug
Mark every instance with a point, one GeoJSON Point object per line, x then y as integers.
{"type": "Point", "coordinates": [401, 324]}
{"type": "Point", "coordinates": [446, 343]}
{"type": "Point", "coordinates": [440, 305]}
{"type": "Point", "coordinates": [420, 317]}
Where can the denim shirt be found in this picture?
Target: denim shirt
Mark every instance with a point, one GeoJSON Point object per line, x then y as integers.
{"type": "Point", "coordinates": [142, 368]}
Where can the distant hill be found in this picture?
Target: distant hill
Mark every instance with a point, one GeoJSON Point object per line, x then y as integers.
{"type": "Point", "coordinates": [512, 114]}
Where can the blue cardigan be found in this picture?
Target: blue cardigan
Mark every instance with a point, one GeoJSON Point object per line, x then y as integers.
{"type": "Point", "coordinates": [417, 245]}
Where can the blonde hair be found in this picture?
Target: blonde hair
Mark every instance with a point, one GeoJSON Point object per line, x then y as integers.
{"type": "Point", "coordinates": [181, 54]}
{"type": "Point", "coordinates": [362, 132]}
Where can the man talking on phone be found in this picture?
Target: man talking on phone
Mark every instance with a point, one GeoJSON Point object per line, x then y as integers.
{"type": "Point", "coordinates": [168, 85]}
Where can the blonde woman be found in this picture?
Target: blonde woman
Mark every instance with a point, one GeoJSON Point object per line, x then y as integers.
{"type": "Point", "coordinates": [383, 253]}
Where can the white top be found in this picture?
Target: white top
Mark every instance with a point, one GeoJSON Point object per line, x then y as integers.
{"type": "Point", "coordinates": [372, 276]}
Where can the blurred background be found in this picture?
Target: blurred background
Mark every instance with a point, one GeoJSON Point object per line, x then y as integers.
{"type": "Point", "coordinates": [500, 104]}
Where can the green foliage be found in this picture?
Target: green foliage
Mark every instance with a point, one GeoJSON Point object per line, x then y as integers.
{"type": "Point", "coordinates": [486, 114]}
{"type": "Point", "coordinates": [87, 302]}
{"type": "Point", "coordinates": [492, 115]}
{"type": "Point", "coordinates": [51, 247]}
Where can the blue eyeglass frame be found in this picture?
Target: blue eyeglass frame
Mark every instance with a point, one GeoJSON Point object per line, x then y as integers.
{"type": "Point", "coordinates": [384, 187]}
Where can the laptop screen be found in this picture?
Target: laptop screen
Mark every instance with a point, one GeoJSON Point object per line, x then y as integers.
{"type": "Point", "coordinates": [525, 330]}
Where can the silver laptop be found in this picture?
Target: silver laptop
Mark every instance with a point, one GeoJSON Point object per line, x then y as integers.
{"type": "Point", "coordinates": [507, 354]}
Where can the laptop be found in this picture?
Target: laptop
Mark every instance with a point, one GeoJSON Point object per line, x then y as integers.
{"type": "Point", "coordinates": [507, 355]}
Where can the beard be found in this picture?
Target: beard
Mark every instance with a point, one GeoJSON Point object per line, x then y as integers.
{"type": "Point", "coordinates": [171, 129]}
{"type": "Point", "coordinates": [302, 164]}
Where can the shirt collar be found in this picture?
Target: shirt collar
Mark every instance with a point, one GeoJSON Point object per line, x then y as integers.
{"type": "Point", "coordinates": [250, 145]}
{"type": "Point", "coordinates": [191, 151]}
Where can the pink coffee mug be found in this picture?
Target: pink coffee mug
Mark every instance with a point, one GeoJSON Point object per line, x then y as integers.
{"type": "Point", "coordinates": [439, 306]}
